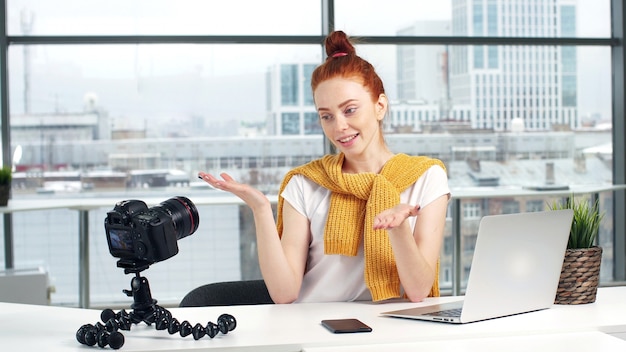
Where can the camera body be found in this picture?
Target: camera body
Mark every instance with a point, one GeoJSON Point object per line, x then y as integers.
{"type": "Point", "coordinates": [141, 236]}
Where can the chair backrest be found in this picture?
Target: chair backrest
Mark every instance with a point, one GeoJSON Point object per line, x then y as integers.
{"type": "Point", "coordinates": [229, 293]}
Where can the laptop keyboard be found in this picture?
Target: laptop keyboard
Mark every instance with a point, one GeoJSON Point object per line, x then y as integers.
{"type": "Point", "coordinates": [456, 312]}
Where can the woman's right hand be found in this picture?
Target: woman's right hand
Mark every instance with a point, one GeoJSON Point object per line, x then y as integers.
{"type": "Point", "coordinates": [253, 197]}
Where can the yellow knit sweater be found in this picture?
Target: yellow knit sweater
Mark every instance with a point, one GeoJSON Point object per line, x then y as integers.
{"type": "Point", "coordinates": [355, 200]}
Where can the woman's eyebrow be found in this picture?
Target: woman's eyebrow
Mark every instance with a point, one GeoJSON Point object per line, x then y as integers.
{"type": "Point", "coordinates": [347, 102]}
{"type": "Point", "coordinates": [341, 105]}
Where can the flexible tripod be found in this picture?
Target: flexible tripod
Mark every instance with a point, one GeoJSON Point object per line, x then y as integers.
{"type": "Point", "coordinates": [145, 309]}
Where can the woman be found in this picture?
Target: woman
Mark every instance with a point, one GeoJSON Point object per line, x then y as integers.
{"type": "Point", "coordinates": [364, 224]}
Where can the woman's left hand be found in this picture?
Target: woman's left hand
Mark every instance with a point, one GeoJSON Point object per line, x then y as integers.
{"type": "Point", "coordinates": [394, 217]}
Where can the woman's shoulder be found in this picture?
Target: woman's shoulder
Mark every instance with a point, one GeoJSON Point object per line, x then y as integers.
{"type": "Point", "coordinates": [303, 183]}
{"type": "Point", "coordinates": [305, 195]}
{"type": "Point", "coordinates": [307, 191]}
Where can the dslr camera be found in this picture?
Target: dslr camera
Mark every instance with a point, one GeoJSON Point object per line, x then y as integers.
{"type": "Point", "coordinates": [141, 236]}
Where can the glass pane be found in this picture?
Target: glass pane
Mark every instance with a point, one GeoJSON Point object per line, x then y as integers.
{"type": "Point", "coordinates": [472, 209]}
{"type": "Point", "coordinates": [131, 122]}
{"type": "Point", "coordinates": [148, 85]}
{"type": "Point", "coordinates": [80, 111]}
{"type": "Point", "coordinates": [50, 242]}
{"type": "Point", "coordinates": [496, 18]}
{"type": "Point", "coordinates": [163, 17]}
{"type": "Point", "coordinates": [211, 254]}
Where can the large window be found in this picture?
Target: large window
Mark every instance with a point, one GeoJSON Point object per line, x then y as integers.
{"type": "Point", "coordinates": [130, 99]}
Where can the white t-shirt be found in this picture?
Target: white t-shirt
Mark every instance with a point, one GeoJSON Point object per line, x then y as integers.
{"type": "Point", "coordinates": [340, 278]}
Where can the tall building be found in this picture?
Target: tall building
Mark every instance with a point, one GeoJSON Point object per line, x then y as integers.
{"type": "Point", "coordinates": [488, 85]}
{"type": "Point", "coordinates": [290, 106]}
{"type": "Point", "coordinates": [423, 82]}
{"type": "Point", "coordinates": [500, 83]}
{"type": "Point", "coordinates": [422, 73]}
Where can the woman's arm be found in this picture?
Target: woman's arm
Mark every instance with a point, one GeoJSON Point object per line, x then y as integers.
{"type": "Point", "coordinates": [295, 246]}
{"type": "Point", "coordinates": [282, 261]}
{"type": "Point", "coordinates": [416, 252]}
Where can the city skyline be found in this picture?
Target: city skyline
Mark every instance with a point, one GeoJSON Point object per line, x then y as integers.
{"type": "Point", "coordinates": [192, 90]}
{"type": "Point", "coordinates": [486, 86]}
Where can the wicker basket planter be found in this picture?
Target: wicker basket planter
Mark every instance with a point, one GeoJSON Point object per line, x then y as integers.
{"type": "Point", "coordinates": [580, 276]}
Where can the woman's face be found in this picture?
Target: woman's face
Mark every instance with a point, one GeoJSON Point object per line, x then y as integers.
{"type": "Point", "coordinates": [349, 117]}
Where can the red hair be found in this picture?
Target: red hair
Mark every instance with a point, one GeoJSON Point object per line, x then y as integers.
{"type": "Point", "coordinates": [342, 61]}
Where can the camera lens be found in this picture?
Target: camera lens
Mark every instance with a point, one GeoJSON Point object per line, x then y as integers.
{"type": "Point", "coordinates": [184, 215]}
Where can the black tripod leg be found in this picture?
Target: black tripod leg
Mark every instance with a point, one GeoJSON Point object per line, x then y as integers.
{"type": "Point", "coordinates": [145, 309]}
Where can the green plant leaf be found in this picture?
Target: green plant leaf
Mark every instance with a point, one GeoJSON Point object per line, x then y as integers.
{"type": "Point", "coordinates": [585, 224]}
{"type": "Point", "coordinates": [5, 175]}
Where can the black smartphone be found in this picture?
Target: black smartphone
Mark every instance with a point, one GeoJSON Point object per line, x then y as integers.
{"type": "Point", "coordinates": [340, 326]}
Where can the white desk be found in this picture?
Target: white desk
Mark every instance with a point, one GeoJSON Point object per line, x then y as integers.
{"type": "Point", "coordinates": [296, 327]}
{"type": "Point", "coordinates": [566, 342]}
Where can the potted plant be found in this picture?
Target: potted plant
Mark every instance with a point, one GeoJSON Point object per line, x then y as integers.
{"type": "Point", "coordinates": [6, 174]}
{"type": "Point", "coordinates": [580, 274]}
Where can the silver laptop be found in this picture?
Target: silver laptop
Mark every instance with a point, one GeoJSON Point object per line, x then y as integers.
{"type": "Point", "coordinates": [516, 268]}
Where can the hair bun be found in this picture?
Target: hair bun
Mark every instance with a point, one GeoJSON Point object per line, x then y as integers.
{"type": "Point", "coordinates": [338, 44]}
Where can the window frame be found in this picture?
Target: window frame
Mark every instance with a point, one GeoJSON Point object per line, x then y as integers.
{"type": "Point", "coordinates": [615, 42]}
